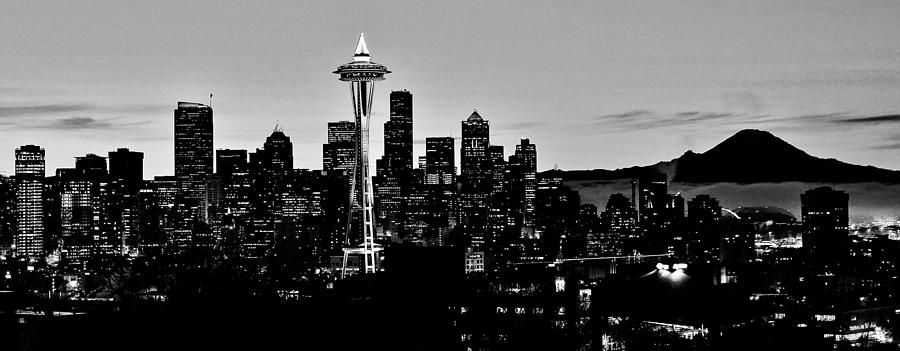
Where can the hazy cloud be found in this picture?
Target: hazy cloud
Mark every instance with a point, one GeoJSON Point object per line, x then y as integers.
{"type": "Point", "coordinates": [85, 122]}
{"type": "Point", "coordinates": [519, 125]}
{"type": "Point", "coordinates": [870, 119]}
{"type": "Point", "coordinates": [645, 119]}
{"type": "Point", "coordinates": [625, 115]}
{"type": "Point", "coordinates": [894, 146]}
{"type": "Point", "coordinates": [18, 111]}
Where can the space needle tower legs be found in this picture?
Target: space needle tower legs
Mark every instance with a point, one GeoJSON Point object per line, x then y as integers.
{"type": "Point", "coordinates": [362, 73]}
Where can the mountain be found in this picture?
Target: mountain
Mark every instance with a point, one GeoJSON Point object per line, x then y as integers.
{"type": "Point", "coordinates": [749, 156]}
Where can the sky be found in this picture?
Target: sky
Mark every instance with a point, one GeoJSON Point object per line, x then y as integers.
{"type": "Point", "coordinates": [595, 84]}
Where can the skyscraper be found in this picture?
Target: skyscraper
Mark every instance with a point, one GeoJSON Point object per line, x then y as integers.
{"type": "Point", "coordinates": [825, 216]}
{"type": "Point", "coordinates": [277, 154]}
{"type": "Point", "coordinates": [362, 73]}
{"type": "Point", "coordinates": [339, 154]}
{"type": "Point", "coordinates": [475, 170]}
{"type": "Point", "coordinates": [704, 219]}
{"type": "Point", "coordinates": [475, 178]}
{"type": "Point", "coordinates": [498, 166]}
{"type": "Point", "coordinates": [440, 166]}
{"type": "Point", "coordinates": [85, 211]}
{"type": "Point", "coordinates": [398, 133]}
{"type": "Point", "coordinates": [193, 147]}
{"type": "Point", "coordinates": [393, 170]}
{"type": "Point", "coordinates": [617, 232]}
{"type": "Point", "coordinates": [230, 161]}
{"type": "Point", "coordinates": [128, 167]}
{"type": "Point", "coordinates": [526, 153]}
{"type": "Point", "coordinates": [440, 183]}
{"type": "Point", "coordinates": [652, 196]}
{"type": "Point", "coordinates": [29, 239]}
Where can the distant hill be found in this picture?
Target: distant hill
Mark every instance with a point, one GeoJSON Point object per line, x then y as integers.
{"type": "Point", "coordinates": [749, 156]}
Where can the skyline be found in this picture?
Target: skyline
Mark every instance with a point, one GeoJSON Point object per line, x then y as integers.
{"type": "Point", "coordinates": [95, 84]}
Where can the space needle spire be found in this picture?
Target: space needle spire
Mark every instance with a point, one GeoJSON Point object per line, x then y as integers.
{"type": "Point", "coordinates": [361, 73]}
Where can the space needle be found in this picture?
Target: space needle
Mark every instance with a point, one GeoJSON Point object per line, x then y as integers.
{"type": "Point", "coordinates": [362, 73]}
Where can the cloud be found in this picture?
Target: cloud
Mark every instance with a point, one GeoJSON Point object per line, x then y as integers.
{"type": "Point", "coordinates": [645, 119]}
{"type": "Point", "coordinates": [870, 119]}
{"type": "Point", "coordinates": [895, 146]}
{"type": "Point", "coordinates": [50, 109]}
{"type": "Point", "coordinates": [625, 115]}
{"type": "Point", "coordinates": [86, 123]}
{"type": "Point", "coordinates": [78, 123]}
{"type": "Point", "coordinates": [19, 111]}
{"type": "Point", "coordinates": [519, 125]}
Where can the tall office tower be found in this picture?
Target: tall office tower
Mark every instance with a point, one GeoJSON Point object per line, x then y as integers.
{"type": "Point", "coordinates": [652, 197]}
{"type": "Point", "coordinates": [127, 167]}
{"type": "Point", "coordinates": [398, 133]}
{"type": "Point", "coordinates": [193, 151]}
{"type": "Point", "coordinates": [270, 166]}
{"type": "Point", "coordinates": [86, 226]}
{"type": "Point", "coordinates": [498, 167]}
{"type": "Point", "coordinates": [824, 213]}
{"type": "Point", "coordinates": [126, 173]}
{"type": "Point", "coordinates": [361, 73]}
{"type": "Point", "coordinates": [617, 233]}
{"type": "Point", "coordinates": [393, 169]}
{"type": "Point", "coordinates": [588, 225]}
{"type": "Point", "coordinates": [7, 213]}
{"type": "Point", "coordinates": [704, 229]}
{"type": "Point", "coordinates": [277, 153]}
{"type": "Point", "coordinates": [233, 170]}
{"type": "Point", "coordinates": [558, 208]}
{"type": "Point", "coordinates": [440, 164]}
{"type": "Point", "coordinates": [440, 181]}
{"type": "Point", "coordinates": [475, 180]}
{"type": "Point", "coordinates": [230, 161]}
{"type": "Point", "coordinates": [527, 155]}
{"type": "Point", "coordinates": [29, 239]}
{"type": "Point", "coordinates": [339, 154]}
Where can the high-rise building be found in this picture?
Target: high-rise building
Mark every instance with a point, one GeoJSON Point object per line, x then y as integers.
{"type": "Point", "coordinates": [393, 170]}
{"type": "Point", "coordinates": [498, 167]}
{"type": "Point", "coordinates": [230, 161]}
{"type": "Point", "coordinates": [277, 154]}
{"type": "Point", "coordinates": [558, 207]}
{"type": "Point", "coordinates": [652, 197]}
{"type": "Point", "coordinates": [440, 186]}
{"type": "Point", "coordinates": [704, 223]}
{"type": "Point", "coordinates": [398, 133]}
{"type": "Point", "coordinates": [85, 211]}
{"type": "Point", "coordinates": [7, 213]}
{"type": "Point", "coordinates": [475, 162]}
{"type": "Point", "coordinates": [339, 154]}
{"type": "Point", "coordinates": [29, 239]}
{"type": "Point", "coordinates": [526, 153]}
{"type": "Point", "coordinates": [440, 166]}
{"type": "Point", "coordinates": [127, 167]}
{"type": "Point", "coordinates": [193, 152]}
{"type": "Point", "coordinates": [825, 216]}
{"type": "Point", "coordinates": [617, 234]}
{"type": "Point", "coordinates": [475, 179]}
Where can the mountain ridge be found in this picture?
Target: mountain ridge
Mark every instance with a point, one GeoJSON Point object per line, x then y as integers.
{"type": "Point", "coordinates": [747, 157]}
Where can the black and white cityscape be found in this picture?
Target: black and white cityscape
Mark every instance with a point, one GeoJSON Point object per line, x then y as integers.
{"type": "Point", "coordinates": [395, 239]}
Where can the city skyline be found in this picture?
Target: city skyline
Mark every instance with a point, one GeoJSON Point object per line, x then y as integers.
{"type": "Point", "coordinates": [566, 176]}
{"type": "Point", "coordinates": [100, 84]}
